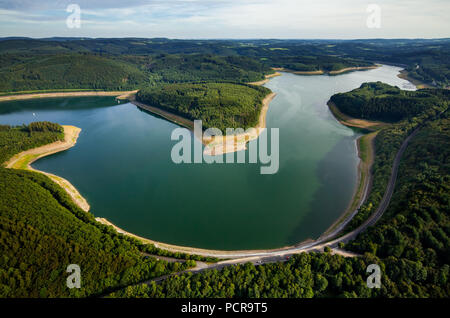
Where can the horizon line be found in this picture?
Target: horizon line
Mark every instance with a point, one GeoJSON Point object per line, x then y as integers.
{"type": "Point", "coordinates": [223, 39]}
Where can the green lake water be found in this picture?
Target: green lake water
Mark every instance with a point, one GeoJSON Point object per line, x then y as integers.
{"type": "Point", "coordinates": [121, 164]}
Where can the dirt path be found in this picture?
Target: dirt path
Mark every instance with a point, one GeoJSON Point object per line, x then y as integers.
{"type": "Point", "coordinates": [24, 160]}
{"type": "Point", "coordinates": [120, 94]}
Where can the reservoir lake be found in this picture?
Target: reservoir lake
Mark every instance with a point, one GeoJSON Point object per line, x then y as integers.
{"type": "Point", "coordinates": [122, 165]}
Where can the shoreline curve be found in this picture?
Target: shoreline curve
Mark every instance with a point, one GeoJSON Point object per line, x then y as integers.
{"type": "Point", "coordinates": [303, 246]}
{"type": "Point", "coordinates": [119, 94]}
{"type": "Point", "coordinates": [218, 145]}
{"type": "Point", "coordinates": [24, 159]}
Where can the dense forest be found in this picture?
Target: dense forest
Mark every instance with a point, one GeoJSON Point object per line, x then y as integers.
{"type": "Point", "coordinates": [82, 71]}
{"type": "Point", "coordinates": [202, 67]}
{"type": "Point", "coordinates": [42, 231]}
{"type": "Point", "coordinates": [302, 276]}
{"type": "Point", "coordinates": [26, 72]}
{"type": "Point", "coordinates": [379, 101]}
{"type": "Point", "coordinates": [16, 139]}
{"type": "Point", "coordinates": [314, 63]}
{"type": "Point", "coordinates": [218, 105]}
{"type": "Point", "coordinates": [417, 220]}
{"type": "Point", "coordinates": [389, 139]}
{"type": "Point", "coordinates": [425, 60]}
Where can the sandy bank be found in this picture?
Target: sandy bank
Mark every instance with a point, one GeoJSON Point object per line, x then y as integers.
{"type": "Point", "coordinates": [366, 153]}
{"type": "Point", "coordinates": [24, 160]}
{"type": "Point", "coordinates": [218, 145]}
{"type": "Point", "coordinates": [319, 72]}
{"type": "Point", "coordinates": [419, 84]}
{"type": "Point", "coordinates": [354, 122]}
{"type": "Point", "coordinates": [268, 77]}
{"type": "Point", "coordinates": [232, 256]}
{"type": "Point", "coordinates": [120, 94]}
{"type": "Point", "coordinates": [205, 252]}
{"type": "Point", "coordinates": [351, 69]}
{"type": "Point", "coordinates": [227, 144]}
{"type": "Point", "coordinates": [322, 72]}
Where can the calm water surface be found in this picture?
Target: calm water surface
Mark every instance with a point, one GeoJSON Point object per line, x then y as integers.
{"type": "Point", "coordinates": [122, 166]}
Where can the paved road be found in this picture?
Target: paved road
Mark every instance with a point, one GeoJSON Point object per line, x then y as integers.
{"type": "Point", "coordinates": [384, 203]}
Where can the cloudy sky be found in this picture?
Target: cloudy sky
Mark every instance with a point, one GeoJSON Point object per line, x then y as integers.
{"type": "Point", "coordinates": [342, 19]}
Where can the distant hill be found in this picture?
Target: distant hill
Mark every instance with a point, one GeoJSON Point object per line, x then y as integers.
{"type": "Point", "coordinates": [425, 60]}
{"type": "Point", "coordinates": [67, 71]}
{"type": "Point", "coordinates": [24, 72]}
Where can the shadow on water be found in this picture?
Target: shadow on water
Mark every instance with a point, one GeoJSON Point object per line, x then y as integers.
{"type": "Point", "coordinates": [332, 175]}
{"type": "Point", "coordinates": [58, 104]}
{"type": "Point", "coordinates": [155, 115]}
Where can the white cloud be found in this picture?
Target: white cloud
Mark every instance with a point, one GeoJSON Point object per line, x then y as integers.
{"type": "Point", "coordinates": [229, 18]}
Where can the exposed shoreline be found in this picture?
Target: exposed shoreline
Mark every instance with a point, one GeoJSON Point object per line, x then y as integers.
{"type": "Point", "coordinates": [322, 72]}
{"type": "Point", "coordinates": [365, 177]}
{"type": "Point", "coordinates": [24, 159]}
{"type": "Point", "coordinates": [351, 69]}
{"type": "Point", "coordinates": [266, 80]}
{"type": "Point", "coordinates": [363, 184]}
{"type": "Point", "coordinates": [200, 251]}
{"type": "Point", "coordinates": [120, 94]}
{"type": "Point", "coordinates": [353, 122]}
{"type": "Point", "coordinates": [227, 144]}
{"type": "Point", "coordinates": [360, 194]}
{"type": "Point", "coordinates": [302, 246]}
{"type": "Point", "coordinates": [218, 145]}
{"type": "Point", "coordinates": [404, 74]}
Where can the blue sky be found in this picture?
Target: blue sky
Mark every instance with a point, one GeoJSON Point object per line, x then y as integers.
{"type": "Point", "coordinates": [344, 19]}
